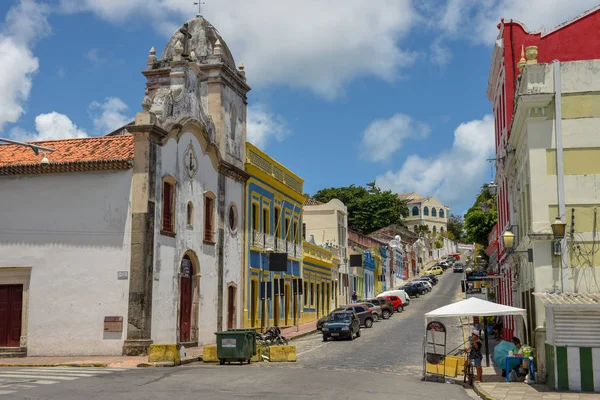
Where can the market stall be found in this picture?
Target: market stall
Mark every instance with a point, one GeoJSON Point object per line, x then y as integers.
{"type": "Point", "coordinates": [472, 307]}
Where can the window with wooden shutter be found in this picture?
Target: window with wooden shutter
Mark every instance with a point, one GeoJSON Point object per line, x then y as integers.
{"type": "Point", "coordinates": [208, 219]}
{"type": "Point", "coordinates": [168, 207]}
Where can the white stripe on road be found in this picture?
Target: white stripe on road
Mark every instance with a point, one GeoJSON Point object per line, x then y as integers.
{"type": "Point", "coordinates": [53, 372]}
{"type": "Point", "coordinates": [17, 375]}
{"type": "Point", "coordinates": [308, 351]}
{"type": "Point", "coordinates": [6, 391]}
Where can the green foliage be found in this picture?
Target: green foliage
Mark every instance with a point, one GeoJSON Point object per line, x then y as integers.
{"type": "Point", "coordinates": [478, 224]}
{"type": "Point", "coordinates": [456, 227]}
{"type": "Point", "coordinates": [369, 209]}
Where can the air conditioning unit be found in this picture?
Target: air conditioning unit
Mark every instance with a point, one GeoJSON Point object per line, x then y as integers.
{"type": "Point", "coordinates": [557, 248]}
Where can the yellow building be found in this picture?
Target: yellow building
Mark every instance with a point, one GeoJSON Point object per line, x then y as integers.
{"type": "Point", "coordinates": [427, 211]}
{"type": "Point", "coordinates": [273, 220]}
{"type": "Point", "coordinates": [379, 273]}
{"type": "Point", "coordinates": [319, 269]}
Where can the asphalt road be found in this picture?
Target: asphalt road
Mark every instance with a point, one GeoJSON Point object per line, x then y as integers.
{"type": "Point", "coordinates": [385, 362]}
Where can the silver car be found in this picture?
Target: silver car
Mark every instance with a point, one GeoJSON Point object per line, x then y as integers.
{"type": "Point", "coordinates": [377, 311]}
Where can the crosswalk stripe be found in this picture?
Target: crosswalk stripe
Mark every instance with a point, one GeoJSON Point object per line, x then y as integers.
{"type": "Point", "coordinates": [17, 375]}
{"type": "Point", "coordinates": [62, 373]}
{"type": "Point", "coordinates": [6, 391]}
{"type": "Point", "coordinates": [96, 370]}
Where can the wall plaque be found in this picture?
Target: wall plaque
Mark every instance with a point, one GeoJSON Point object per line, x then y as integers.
{"type": "Point", "coordinates": [113, 324]}
{"type": "Point", "coordinates": [122, 275]}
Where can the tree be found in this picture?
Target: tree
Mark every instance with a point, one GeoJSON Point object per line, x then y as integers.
{"type": "Point", "coordinates": [456, 227]}
{"type": "Point", "coordinates": [369, 209]}
{"type": "Point", "coordinates": [479, 224]}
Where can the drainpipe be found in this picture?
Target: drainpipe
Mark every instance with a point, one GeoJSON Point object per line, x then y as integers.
{"type": "Point", "coordinates": [560, 174]}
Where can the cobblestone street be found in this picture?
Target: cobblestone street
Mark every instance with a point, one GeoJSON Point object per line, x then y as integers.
{"type": "Point", "coordinates": [391, 346]}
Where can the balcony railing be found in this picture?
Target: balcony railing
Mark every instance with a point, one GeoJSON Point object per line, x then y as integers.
{"type": "Point", "coordinates": [317, 252]}
{"type": "Point", "coordinates": [274, 169]}
{"type": "Point", "coordinates": [265, 241]}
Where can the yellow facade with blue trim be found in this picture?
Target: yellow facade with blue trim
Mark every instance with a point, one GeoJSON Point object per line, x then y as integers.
{"type": "Point", "coordinates": [273, 224]}
{"type": "Point", "coordinates": [319, 273]}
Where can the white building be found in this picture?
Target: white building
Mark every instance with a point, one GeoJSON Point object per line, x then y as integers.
{"type": "Point", "coordinates": [141, 226]}
{"type": "Point", "coordinates": [534, 180]}
{"type": "Point", "coordinates": [328, 224]}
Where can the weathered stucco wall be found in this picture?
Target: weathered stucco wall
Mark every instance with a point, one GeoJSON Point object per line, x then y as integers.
{"type": "Point", "coordinates": [170, 250]}
{"type": "Point", "coordinates": [72, 229]}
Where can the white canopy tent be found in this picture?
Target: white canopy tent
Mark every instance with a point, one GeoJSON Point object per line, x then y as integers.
{"type": "Point", "coordinates": [474, 307]}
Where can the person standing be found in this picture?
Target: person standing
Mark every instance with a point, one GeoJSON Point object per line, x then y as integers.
{"type": "Point", "coordinates": [474, 351]}
{"type": "Point", "coordinates": [354, 297]}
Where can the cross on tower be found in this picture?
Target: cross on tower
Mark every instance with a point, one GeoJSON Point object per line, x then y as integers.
{"type": "Point", "coordinates": [186, 37]}
{"type": "Point", "coordinates": [199, 4]}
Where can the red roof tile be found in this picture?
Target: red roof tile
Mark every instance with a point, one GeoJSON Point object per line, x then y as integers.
{"type": "Point", "coordinates": [312, 202]}
{"type": "Point", "coordinates": [103, 152]}
{"type": "Point", "coordinates": [416, 201]}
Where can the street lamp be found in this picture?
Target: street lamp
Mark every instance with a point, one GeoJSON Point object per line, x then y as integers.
{"type": "Point", "coordinates": [492, 188]}
{"type": "Point", "coordinates": [508, 238]}
{"type": "Point", "coordinates": [485, 207]}
{"type": "Point", "coordinates": [35, 148]}
{"type": "Point", "coordinates": [558, 228]}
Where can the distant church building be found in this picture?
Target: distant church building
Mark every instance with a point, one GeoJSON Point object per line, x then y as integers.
{"type": "Point", "coordinates": [136, 237]}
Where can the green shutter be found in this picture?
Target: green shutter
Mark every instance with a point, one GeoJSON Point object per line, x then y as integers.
{"type": "Point", "coordinates": [586, 365]}
{"type": "Point", "coordinates": [550, 365]}
{"type": "Point", "coordinates": [562, 368]}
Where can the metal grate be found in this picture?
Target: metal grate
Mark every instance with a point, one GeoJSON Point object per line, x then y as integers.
{"type": "Point", "coordinates": [576, 328]}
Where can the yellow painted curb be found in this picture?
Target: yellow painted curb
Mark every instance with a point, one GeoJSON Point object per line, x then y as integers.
{"type": "Point", "coordinates": [164, 352]}
{"type": "Point", "coordinates": [93, 365]}
{"type": "Point", "coordinates": [258, 356]}
{"type": "Point", "coordinates": [482, 393]}
{"type": "Point", "coordinates": [282, 353]}
{"type": "Point", "coordinates": [209, 354]}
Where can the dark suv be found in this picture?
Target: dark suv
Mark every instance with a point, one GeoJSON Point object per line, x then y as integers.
{"type": "Point", "coordinates": [387, 309]}
{"type": "Point", "coordinates": [341, 324]}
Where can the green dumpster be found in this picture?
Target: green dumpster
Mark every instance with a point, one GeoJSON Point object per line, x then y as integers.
{"type": "Point", "coordinates": [235, 345]}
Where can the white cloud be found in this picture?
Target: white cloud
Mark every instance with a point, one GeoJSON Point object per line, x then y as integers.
{"type": "Point", "coordinates": [314, 44]}
{"type": "Point", "coordinates": [383, 137]}
{"type": "Point", "coordinates": [455, 175]}
{"type": "Point", "coordinates": [93, 55]}
{"type": "Point", "coordinates": [109, 115]}
{"type": "Point", "coordinates": [25, 22]}
{"type": "Point", "coordinates": [49, 126]}
{"type": "Point", "coordinates": [477, 20]}
{"type": "Point", "coordinates": [440, 54]}
{"type": "Point", "coordinates": [263, 126]}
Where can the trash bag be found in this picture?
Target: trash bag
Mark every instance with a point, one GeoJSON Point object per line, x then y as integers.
{"type": "Point", "coordinates": [512, 376]}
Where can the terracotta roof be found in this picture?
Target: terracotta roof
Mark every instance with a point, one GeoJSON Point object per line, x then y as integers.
{"type": "Point", "coordinates": [312, 202]}
{"type": "Point", "coordinates": [404, 196]}
{"type": "Point", "coordinates": [70, 155]}
{"type": "Point", "coordinates": [416, 201]}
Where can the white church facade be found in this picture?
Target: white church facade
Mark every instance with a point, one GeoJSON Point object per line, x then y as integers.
{"type": "Point", "coordinates": [132, 238]}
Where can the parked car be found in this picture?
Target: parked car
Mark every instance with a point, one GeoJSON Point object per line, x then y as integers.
{"type": "Point", "coordinates": [404, 296]}
{"type": "Point", "coordinates": [449, 260]}
{"type": "Point", "coordinates": [456, 256]}
{"type": "Point", "coordinates": [458, 267]}
{"type": "Point", "coordinates": [429, 279]}
{"type": "Point", "coordinates": [436, 270]}
{"type": "Point", "coordinates": [433, 278]}
{"type": "Point", "coordinates": [427, 284]}
{"type": "Point", "coordinates": [420, 287]}
{"type": "Point", "coordinates": [411, 290]}
{"type": "Point", "coordinates": [387, 309]}
{"type": "Point", "coordinates": [364, 314]}
{"type": "Point", "coordinates": [341, 324]}
{"type": "Point", "coordinates": [396, 302]}
{"type": "Point", "coordinates": [375, 309]}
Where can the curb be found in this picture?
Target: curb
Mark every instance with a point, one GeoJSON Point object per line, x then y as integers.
{"type": "Point", "coordinates": [303, 334]}
{"type": "Point", "coordinates": [81, 365]}
{"type": "Point", "coordinates": [482, 393]}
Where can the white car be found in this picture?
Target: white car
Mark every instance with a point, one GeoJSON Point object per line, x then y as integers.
{"type": "Point", "coordinates": [400, 293]}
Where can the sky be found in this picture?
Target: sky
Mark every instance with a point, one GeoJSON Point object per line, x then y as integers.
{"type": "Point", "coordinates": [343, 91]}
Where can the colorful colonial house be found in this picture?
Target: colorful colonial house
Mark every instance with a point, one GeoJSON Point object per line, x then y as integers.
{"type": "Point", "coordinates": [319, 270]}
{"type": "Point", "coordinates": [273, 243]}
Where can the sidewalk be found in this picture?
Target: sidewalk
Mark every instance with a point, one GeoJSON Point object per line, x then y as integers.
{"type": "Point", "coordinates": [495, 387]}
{"type": "Point", "coordinates": [192, 354]}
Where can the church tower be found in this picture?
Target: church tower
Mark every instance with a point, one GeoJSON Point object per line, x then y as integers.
{"type": "Point", "coordinates": [196, 77]}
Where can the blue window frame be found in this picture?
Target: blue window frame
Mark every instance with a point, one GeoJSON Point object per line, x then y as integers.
{"type": "Point", "coordinates": [415, 211]}
{"type": "Point", "coordinates": [426, 211]}
{"type": "Point", "coordinates": [433, 212]}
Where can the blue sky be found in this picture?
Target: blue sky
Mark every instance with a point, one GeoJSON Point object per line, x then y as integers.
{"type": "Point", "coordinates": [343, 91]}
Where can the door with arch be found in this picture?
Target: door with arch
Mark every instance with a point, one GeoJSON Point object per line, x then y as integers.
{"type": "Point", "coordinates": [185, 301]}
